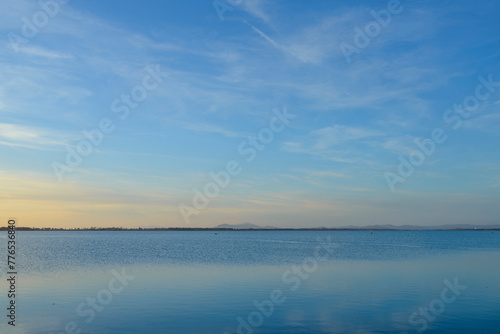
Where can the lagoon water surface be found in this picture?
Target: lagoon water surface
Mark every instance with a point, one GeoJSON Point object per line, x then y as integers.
{"type": "Point", "coordinates": [255, 282]}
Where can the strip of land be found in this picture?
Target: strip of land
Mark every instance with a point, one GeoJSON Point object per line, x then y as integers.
{"type": "Point", "coordinates": [252, 227]}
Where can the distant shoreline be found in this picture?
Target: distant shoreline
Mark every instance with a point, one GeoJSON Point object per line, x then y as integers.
{"type": "Point", "coordinates": [111, 229]}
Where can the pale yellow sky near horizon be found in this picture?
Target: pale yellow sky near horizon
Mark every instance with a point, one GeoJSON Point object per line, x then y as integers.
{"type": "Point", "coordinates": [35, 200]}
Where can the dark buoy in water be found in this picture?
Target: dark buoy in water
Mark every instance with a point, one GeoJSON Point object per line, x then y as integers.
{"type": "Point", "coordinates": [371, 232]}
{"type": "Point", "coordinates": [215, 233]}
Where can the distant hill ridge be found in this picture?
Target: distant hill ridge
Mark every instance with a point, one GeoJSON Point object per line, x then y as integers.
{"type": "Point", "coordinates": [415, 227]}
{"type": "Point", "coordinates": [246, 226]}
{"type": "Point", "coordinates": [250, 226]}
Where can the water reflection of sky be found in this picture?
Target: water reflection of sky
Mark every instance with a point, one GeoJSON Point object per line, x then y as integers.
{"type": "Point", "coordinates": [341, 296]}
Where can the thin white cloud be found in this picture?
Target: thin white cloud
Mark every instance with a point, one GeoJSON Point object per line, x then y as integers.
{"type": "Point", "coordinates": [399, 145]}
{"type": "Point", "coordinates": [487, 122]}
{"type": "Point", "coordinates": [275, 44]}
{"type": "Point", "coordinates": [319, 42]}
{"type": "Point", "coordinates": [44, 53]}
{"type": "Point", "coordinates": [201, 127]}
{"type": "Point", "coordinates": [337, 143]}
{"type": "Point", "coordinates": [29, 137]}
{"type": "Point", "coordinates": [256, 9]}
{"type": "Point", "coordinates": [324, 173]}
{"type": "Point", "coordinates": [336, 134]}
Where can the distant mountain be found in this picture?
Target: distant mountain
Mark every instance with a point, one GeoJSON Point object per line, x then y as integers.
{"type": "Point", "coordinates": [250, 226]}
{"type": "Point", "coordinates": [414, 227]}
{"type": "Point", "coordinates": [246, 226]}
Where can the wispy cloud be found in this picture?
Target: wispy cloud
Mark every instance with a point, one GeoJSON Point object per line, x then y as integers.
{"type": "Point", "coordinates": [336, 134]}
{"type": "Point", "coordinates": [488, 122]}
{"type": "Point", "coordinates": [44, 53]}
{"type": "Point", "coordinates": [257, 8]}
{"type": "Point", "coordinates": [324, 173]}
{"type": "Point", "coordinates": [201, 127]}
{"type": "Point", "coordinates": [328, 137]}
{"type": "Point", "coordinates": [29, 137]}
{"type": "Point", "coordinates": [275, 44]}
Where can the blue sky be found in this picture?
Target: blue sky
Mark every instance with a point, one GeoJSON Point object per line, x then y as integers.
{"type": "Point", "coordinates": [356, 116]}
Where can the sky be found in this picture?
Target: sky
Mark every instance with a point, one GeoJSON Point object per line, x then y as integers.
{"type": "Point", "coordinates": [286, 113]}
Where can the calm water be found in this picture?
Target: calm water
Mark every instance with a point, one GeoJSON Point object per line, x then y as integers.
{"type": "Point", "coordinates": [255, 282]}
